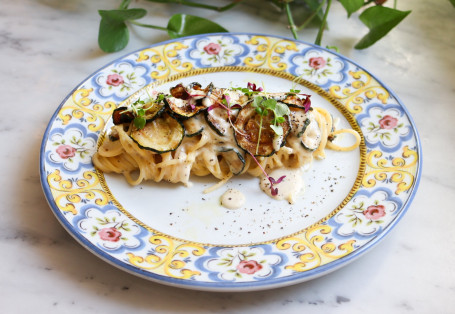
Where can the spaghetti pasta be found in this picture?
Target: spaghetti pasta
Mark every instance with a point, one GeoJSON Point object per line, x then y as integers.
{"type": "Point", "coordinates": [214, 145]}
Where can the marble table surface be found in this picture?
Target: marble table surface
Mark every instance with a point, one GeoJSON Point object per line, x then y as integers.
{"type": "Point", "coordinates": [48, 46]}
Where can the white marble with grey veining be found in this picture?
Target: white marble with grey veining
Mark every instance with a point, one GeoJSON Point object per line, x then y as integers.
{"type": "Point", "coordinates": [47, 47]}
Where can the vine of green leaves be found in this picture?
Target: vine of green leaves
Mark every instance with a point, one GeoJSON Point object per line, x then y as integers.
{"type": "Point", "coordinates": [113, 33]}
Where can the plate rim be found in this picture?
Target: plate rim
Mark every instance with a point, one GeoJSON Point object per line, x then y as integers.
{"type": "Point", "coordinates": [225, 286]}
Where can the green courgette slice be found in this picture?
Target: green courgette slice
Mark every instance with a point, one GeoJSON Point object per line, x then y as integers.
{"type": "Point", "coordinates": [218, 120]}
{"type": "Point", "coordinates": [234, 158]}
{"type": "Point", "coordinates": [121, 115]}
{"type": "Point", "coordinates": [299, 121]}
{"type": "Point", "coordinates": [193, 126]}
{"type": "Point", "coordinates": [164, 134]}
{"type": "Point", "coordinates": [185, 109]}
{"type": "Point", "coordinates": [247, 125]}
{"type": "Point", "coordinates": [311, 138]}
{"type": "Point", "coordinates": [153, 111]}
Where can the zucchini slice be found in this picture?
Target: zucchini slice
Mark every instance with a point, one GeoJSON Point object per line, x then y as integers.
{"type": "Point", "coordinates": [292, 100]}
{"type": "Point", "coordinates": [185, 108]}
{"type": "Point", "coordinates": [299, 122]}
{"type": "Point", "coordinates": [163, 134]}
{"type": "Point", "coordinates": [312, 136]}
{"type": "Point", "coordinates": [246, 132]}
{"type": "Point", "coordinates": [218, 120]}
{"type": "Point", "coordinates": [234, 158]}
{"type": "Point", "coordinates": [153, 111]}
{"type": "Point", "coordinates": [120, 116]}
{"type": "Point", "coordinates": [193, 126]}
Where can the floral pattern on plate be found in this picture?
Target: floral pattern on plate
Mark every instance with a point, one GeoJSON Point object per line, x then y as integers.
{"type": "Point", "coordinates": [72, 147]}
{"type": "Point", "coordinates": [367, 214]}
{"type": "Point", "coordinates": [385, 126]}
{"type": "Point", "coordinates": [241, 264]}
{"type": "Point", "coordinates": [109, 229]}
{"type": "Point", "coordinates": [121, 80]}
{"type": "Point", "coordinates": [318, 67]}
{"type": "Point", "coordinates": [217, 51]}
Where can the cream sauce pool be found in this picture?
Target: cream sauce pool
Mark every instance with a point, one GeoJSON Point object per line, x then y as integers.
{"type": "Point", "coordinates": [232, 199]}
{"type": "Point", "coordinates": [289, 188]}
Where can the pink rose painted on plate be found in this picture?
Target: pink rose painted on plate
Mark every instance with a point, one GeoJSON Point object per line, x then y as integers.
{"type": "Point", "coordinates": [248, 267]}
{"type": "Point", "coordinates": [317, 62]}
{"type": "Point", "coordinates": [66, 151]}
{"type": "Point", "coordinates": [212, 49]}
{"type": "Point", "coordinates": [374, 212]}
{"type": "Point", "coordinates": [388, 122]}
{"type": "Point", "coordinates": [110, 234]}
{"type": "Point", "coordinates": [114, 79]}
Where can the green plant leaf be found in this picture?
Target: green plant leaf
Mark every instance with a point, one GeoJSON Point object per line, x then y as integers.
{"type": "Point", "coordinates": [380, 20]}
{"type": "Point", "coordinates": [269, 104]}
{"type": "Point", "coordinates": [282, 109]}
{"type": "Point", "coordinates": [113, 34]}
{"type": "Point", "coordinates": [122, 15]}
{"type": "Point", "coordinates": [453, 2]}
{"type": "Point", "coordinates": [302, 10]}
{"type": "Point", "coordinates": [351, 5]}
{"type": "Point", "coordinates": [181, 25]}
{"type": "Point", "coordinates": [277, 128]}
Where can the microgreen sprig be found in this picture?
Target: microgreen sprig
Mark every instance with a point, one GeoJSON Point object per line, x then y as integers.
{"type": "Point", "coordinates": [250, 90]}
{"type": "Point", "coordinates": [262, 107]}
{"type": "Point", "coordinates": [138, 108]}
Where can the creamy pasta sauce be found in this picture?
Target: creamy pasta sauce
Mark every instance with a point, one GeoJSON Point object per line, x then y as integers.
{"type": "Point", "coordinates": [288, 188]}
{"type": "Point", "coordinates": [232, 199]}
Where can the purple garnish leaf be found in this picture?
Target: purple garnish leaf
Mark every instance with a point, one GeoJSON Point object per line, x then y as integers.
{"type": "Point", "coordinates": [280, 179]}
{"type": "Point", "coordinates": [274, 191]}
{"type": "Point", "coordinates": [253, 87]}
{"type": "Point", "coordinates": [273, 181]}
{"type": "Point", "coordinates": [215, 105]}
{"type": "Point", "coordinates": [191, 102]}
{"type": "Point", "coordinates": [227, 98]}
{"type": "Point", "coordinates": [307, 103]}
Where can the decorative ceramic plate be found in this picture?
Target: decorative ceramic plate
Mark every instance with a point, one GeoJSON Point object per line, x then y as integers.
{"type": "Point", "coordinates": [179, 236]}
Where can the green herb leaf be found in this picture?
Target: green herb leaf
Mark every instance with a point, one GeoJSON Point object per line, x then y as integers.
{"type": "Point", "coordinates": [278, 129]}
{"type": "Point", "coordinates": [280, 120]}
{"type": "Point", "coordinates": [113, 34]}
{"type": "Point", "coordinates": [380, 20]}
{"type": "Point", "coordinates": [269, 104]}
{"type": "Point", "coordinates": [139, 122]}
{"type": "Point", "coordinates": [181, 25]}
{"type": "Point", "coordinates": [282, 110]}
{"type": "Point", "coordinates": [351, 5]}
{"type": "Point", "coordinates": [453, 2]}
{"type": "Point", "coordinates": [257, 101]}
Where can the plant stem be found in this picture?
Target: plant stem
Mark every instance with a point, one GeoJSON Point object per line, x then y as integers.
{"type": "Point", "coordinates": [124, 5]}
{"type": "Point", "coordinates": [395, 2]}
{"type": "Point", "coordinates": [323, 24]}
{"type": "Point", "coordinates": [259, 136]}
{"type": "Point", "coordinates": [291, 20]}
{"type": "Point", "coordinates": [203, 6]}
{"type": "Point", "coordinates": [147, 25]}
{"type": "Point", "coordinates": [310, 18]}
